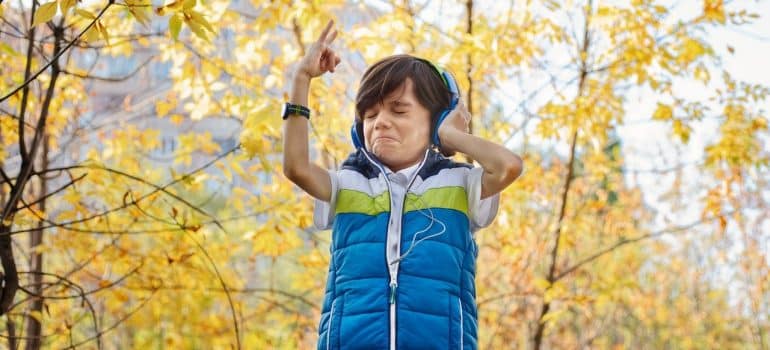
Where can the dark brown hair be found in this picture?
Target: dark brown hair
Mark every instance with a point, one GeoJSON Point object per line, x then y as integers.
{"type": "Point", "coordinates": [390, 73]}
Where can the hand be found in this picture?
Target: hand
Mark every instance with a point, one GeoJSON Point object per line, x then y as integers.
{"type": "Point", "coordinates": [458, 120]}
{"type": "Point", "coordinates": [320, 58]}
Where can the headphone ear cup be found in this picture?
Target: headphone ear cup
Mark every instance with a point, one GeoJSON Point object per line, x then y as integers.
{"type": "Point", "coordinates": [435, 138]}
{"type": "Point", "coordinates": [442, 115]}
{"type": "Point", "coordinates": [357, 135]}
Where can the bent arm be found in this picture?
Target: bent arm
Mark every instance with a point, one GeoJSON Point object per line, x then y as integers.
{"type": "Point", "coordinates": [296, 160]}
{"type": "Point", "coordinates": [501, 166]}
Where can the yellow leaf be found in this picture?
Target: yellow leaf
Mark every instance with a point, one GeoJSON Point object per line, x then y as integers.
{"type": "Point", "coordinates": [226, 172]}
{"type": "Point", "coordinates": [85, 14]}
{"type": "Point", "coordinates": [7, 49]}
{"type": "Point", "coordinates": [663, 112]}
{"type": "Point", "coordinates": [197, 28]}
{"type": "Point", "coordinates": [209, 147]}
{"type": "Point", "coordinates": [197, 17]}
{"type": "Point", "coordinates": [542, 284]}
{"type": "Point", "coordinates": [759, 123]}
{"type": "Point", "coordinates": [702, 74]}
{"type": "Point", "coordinates": [690, 50]}
{"type": "Point", "coordinates": [175, 6]}
{"type": "Point", "coordinates": [714, 10]}
{"type": "Point", "coordinates": [174, 25]}
{"type": "Point", "coordinates": [163, 107]}
{"type": "Point", "coordinates": [91, 35]}
{"type": "Point", "coordinates": [140, 14]}
{"type": "Point", "coordinates": [682, 130]}
{"type": "Point", "coordinates": [239, 170]}
{"type": "Point", "coordinates": [552, 316]}
{"type": "Point", "coordinates": [103, 32]}
{"type": "Point", "coordinates": [45, 13]}
{"type": "Point", "coordinates": [65, 5]}
{"type": "Point", "coordinates": [177, 119]}
{"type": "Point", "coordinates": [37, 315]}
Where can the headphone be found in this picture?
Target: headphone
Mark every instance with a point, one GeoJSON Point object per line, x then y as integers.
{"type": "Point", "coordinates": [357, 130]}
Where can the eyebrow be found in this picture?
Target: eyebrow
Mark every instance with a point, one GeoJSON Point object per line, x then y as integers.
{"type": "Point", "coordinates": [401, 103]}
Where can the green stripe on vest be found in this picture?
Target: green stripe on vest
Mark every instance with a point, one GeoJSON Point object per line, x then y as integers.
{"type": "Point", "coordinates": [443, 197]}
{"type": "Point", "coordinates": [352, 201]}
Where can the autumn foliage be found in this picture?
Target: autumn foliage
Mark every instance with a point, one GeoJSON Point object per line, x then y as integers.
{"type": "Point", "coordinates": [144, 205]}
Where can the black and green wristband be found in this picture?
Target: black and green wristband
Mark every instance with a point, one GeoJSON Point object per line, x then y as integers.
{"type": "Point", "coordinates": [292, 109]}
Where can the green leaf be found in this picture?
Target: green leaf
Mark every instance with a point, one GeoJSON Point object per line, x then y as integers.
{"type": "Point", "coordinates": [175, 24]}
{"type": "Point", "coordinates": [44, 13]}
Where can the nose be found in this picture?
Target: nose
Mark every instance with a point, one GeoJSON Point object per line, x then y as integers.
{"type": "Point", "coordinates": [382, 120]}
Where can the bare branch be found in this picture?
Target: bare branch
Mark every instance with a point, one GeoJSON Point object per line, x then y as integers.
{"type": "Point", "coordinates": [633, 240]}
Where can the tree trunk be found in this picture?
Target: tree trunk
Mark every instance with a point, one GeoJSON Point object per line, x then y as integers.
{"type": "Point", "coordinates": [36, 261]}
{"type": "Point", "coordinates": [552, 275]}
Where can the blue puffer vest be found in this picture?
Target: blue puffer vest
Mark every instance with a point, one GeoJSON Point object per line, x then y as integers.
{"type": "Point", "coordinates": [425, 300]}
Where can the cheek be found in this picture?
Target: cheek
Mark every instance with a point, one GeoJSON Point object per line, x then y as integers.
{"type": "Point", "coordinates": [367, 133]}
{"type": "Point", "coordinates": [421, 131]}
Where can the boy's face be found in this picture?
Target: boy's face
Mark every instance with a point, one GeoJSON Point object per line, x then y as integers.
{"type": "Point", "coordinates": [398, 130]}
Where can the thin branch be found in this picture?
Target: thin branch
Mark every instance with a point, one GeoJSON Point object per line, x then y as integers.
{"type": "Point", "coordinates": [72, 182]}
{"type": "Point", "coordinates": [224, 287]}
{"type": "Point", "coordinates": [128, 38]}
{"type": "Point", "coordinates": [98, 335]}
{"type": "Point", "coordinates": [157, 189]}
{"type": "Point", "coordinates": [110, 79]}
{"type": "Point", "coordinates": [83, 293]}
{"type": "Point", "coordinates": [14, 116]}
{"type": "Point", "coordinates": [633, 240]}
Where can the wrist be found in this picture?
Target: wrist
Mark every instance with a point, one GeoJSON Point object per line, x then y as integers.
{"type": "Point", "coordinates": [301, 76]}
{"type": "Point", "coordinates": [447, 135]}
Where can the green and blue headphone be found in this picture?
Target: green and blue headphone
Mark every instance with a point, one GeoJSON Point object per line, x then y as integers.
{"type": "Point", "coordinates": [357, 131]}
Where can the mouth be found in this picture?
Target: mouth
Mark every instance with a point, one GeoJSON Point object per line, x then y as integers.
{"type": "Point", "coordinates": [384, 138]}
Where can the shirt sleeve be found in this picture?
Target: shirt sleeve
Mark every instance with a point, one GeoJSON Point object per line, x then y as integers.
{"type": "Point", "coordinates": [323, 212]}
{"type": "Point", "coordinates": [481, 211]}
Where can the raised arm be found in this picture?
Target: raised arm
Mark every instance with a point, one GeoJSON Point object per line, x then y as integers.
{"type": "Point", "coordinates": [501, 166]}
{"type": "Point", "coordinates": [313, 179]}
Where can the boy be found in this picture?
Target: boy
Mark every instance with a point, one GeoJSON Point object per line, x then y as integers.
{"type": "Point", "coordinates": [402, 267]}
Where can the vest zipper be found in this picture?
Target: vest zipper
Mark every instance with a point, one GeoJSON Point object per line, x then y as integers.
{"type": "Point", "coordinates": [394, 276]}
{"type": "Point", "coordinates": [393, 286]}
